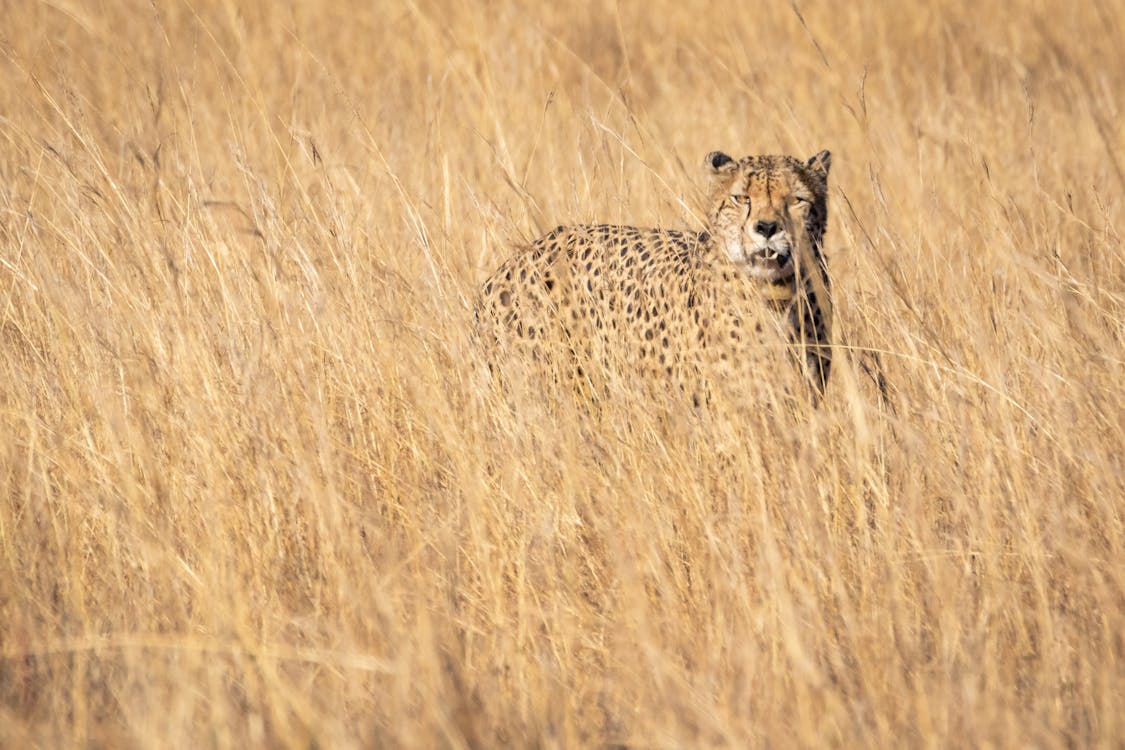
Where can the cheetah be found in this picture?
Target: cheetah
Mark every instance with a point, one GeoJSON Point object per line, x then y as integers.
{"type": "Point", "coordinates": [682, 310]}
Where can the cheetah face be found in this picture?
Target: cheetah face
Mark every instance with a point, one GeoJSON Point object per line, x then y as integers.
{"type": "Point", "coordinates": [763, 208]}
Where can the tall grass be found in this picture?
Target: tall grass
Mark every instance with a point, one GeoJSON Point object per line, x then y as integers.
{"type": "Point", "coordinates": [256, 493]}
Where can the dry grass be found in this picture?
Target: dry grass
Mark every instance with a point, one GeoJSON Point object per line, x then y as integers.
{"type": "Point", "coordinates": [254, 493]}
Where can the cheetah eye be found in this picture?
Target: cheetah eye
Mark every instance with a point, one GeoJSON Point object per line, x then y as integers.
{"type": "Point", "coordinates": [740, 200]}
{"type": "Point", "coordinates": [796, 200]}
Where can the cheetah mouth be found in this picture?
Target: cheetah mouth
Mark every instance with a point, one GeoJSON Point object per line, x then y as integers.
{"type": "Point", "coordinates": [770, 264]}
{"type": "Point", "coordinates": [771, 257]}
{"type": "Point", "coordinates": [770, 254]}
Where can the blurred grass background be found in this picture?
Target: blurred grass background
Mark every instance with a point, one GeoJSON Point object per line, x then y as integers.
{"type": "Point", "coordinates": [256, 494]}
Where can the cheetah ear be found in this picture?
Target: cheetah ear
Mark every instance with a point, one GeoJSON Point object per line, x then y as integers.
{"type": "Point", "coordinates": [820, 163]}
{"type": "Point", "coordinates": [717, 163]}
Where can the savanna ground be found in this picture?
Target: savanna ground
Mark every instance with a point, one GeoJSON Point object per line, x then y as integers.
{"type": "Point", "coordinates": [256, 491]}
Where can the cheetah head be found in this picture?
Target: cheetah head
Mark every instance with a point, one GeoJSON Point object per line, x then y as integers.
{"type": "Point", "coordinates": [765, 209]}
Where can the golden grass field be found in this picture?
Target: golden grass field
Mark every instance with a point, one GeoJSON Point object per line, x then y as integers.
{"type": "Point", "coordinates": [256, 492]}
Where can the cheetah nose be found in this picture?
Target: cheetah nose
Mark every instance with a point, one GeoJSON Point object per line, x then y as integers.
{"type": "Point", "coordinates": [766, 228]}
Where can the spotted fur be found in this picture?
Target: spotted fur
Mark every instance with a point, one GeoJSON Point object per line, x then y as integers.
{"type": "Point", "coordinates": [679, 309]}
